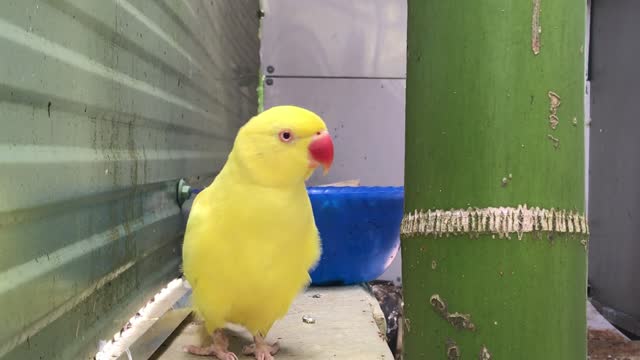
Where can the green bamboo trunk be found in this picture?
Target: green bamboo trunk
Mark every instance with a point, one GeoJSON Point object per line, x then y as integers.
{"type": "Point", "coordinates": [495, 119]}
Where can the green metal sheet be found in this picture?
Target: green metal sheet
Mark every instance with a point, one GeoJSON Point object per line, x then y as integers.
{"type": "Point", "coordinates": [104, 105]}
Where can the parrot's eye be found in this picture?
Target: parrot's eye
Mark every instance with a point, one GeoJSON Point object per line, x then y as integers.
{"type": "Point", "coordinates": [286, 136]}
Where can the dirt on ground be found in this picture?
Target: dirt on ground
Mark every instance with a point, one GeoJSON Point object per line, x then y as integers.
{"type": "Point", "coordinates": [607, 345]}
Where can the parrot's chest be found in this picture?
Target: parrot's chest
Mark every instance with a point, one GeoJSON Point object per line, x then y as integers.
{"type": "Point", "coordinates": [275, 236]}
{"type": "Point", "coordinates": [253, 236]}
{"type": "Point", "coordinates": [250, 252]}
{"type": "Point", "coordinates": [275, 230]}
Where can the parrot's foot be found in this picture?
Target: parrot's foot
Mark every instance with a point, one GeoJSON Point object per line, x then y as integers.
{"type": "Point", "coordinates": [219, 348]}
{"type": "Point", "coordinates": [261, 350]}
{"type": "Point", "coordinates": [214, 350]}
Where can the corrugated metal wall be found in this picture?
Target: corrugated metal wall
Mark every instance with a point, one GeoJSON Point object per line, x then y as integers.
{"type": "Point", "coordinates": [104, 105]}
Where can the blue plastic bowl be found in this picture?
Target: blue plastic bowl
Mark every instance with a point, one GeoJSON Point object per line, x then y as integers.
{"type": "Point", "coordinates": [360, 232]}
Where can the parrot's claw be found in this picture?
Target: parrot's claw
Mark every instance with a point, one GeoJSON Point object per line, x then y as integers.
{"type": "Point", "coordinates": [261, 351]}
{"type": "Point", "coordinates": [214, 350]}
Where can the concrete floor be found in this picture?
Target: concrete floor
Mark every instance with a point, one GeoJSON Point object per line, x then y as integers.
{"type": "Point", "coordinates": [606, 342]}
{"type": "Point", "coordinates": [348, 325]}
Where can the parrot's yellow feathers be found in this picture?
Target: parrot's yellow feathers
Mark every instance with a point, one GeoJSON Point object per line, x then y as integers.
{"type": "Point", "coordinates": [251, 237]}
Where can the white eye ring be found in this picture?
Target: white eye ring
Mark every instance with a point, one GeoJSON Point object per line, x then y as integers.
{"type": "Point", "coordinates": [285, 136]}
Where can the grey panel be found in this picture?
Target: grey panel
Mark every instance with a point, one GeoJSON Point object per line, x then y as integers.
{"type": "Point", "coordinates": [104, 105]}
{"type": "Point", "coordinates": [365, 118]}
{"type": "Point", "coordinates": [614, 193]}
{"type": "Point", "coordinates": [335, 38]}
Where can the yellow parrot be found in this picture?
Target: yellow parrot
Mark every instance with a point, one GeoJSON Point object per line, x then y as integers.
{"type": "Point", "coordinates": [251, 238]}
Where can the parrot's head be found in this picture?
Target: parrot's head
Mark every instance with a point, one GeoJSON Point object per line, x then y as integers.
{"type": "Point", "coordinates": [283, 146]}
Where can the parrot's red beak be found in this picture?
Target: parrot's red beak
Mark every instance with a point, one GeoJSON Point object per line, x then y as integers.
{"type": "Point", "coordinates": [321, 151]}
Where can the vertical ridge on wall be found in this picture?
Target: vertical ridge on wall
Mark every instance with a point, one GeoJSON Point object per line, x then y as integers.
{"type": "Point", "coordinates": [105, 105]}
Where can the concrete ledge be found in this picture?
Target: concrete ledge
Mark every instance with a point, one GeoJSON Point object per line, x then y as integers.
{"type": "Point", "coordinates": [348, 325]}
